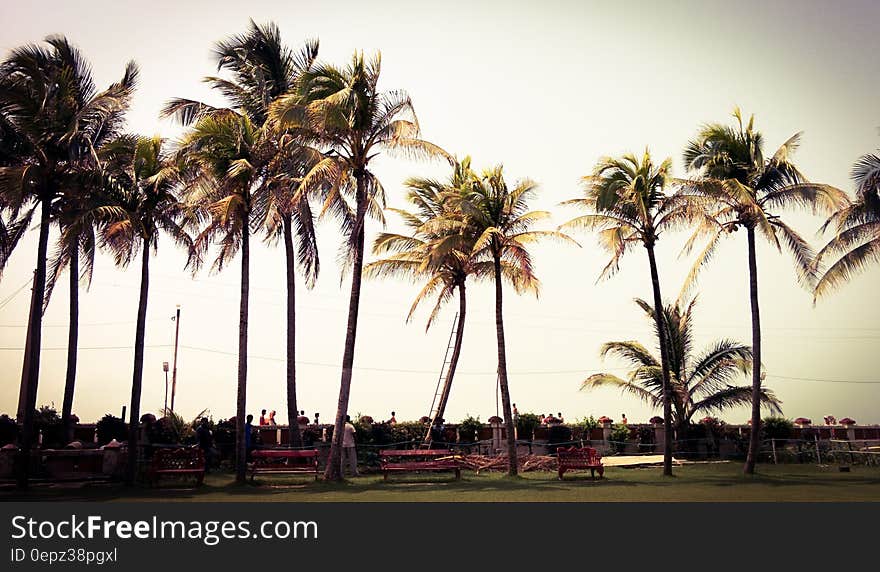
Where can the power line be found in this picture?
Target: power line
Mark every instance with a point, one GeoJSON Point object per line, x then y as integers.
{"type": "Point", "coordinates": [582, 371]}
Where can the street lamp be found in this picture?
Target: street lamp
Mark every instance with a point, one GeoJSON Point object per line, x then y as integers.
{"type": "Point", "coordinates": [165, 369]}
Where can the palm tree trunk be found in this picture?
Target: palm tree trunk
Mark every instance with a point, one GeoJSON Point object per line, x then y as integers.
{"type": "Point", "coordinates": [456, 352]}
{"type": "Point", "coordinates": [137, 377]}
{"type": "Point", "coordinates": [664, 360]}
{"type": "Point", "coordinates": [31, 376]}
{"type": "Point", "coordinates": [333, 471]}
{"type": "Point", "coordinates": [292, 407]}
{"type": "Point", "coordinates": [72, 337]}
{"type": "Point", "coordinates": [241, 404]}
{"type": "Point", "coordinates": [755, 432]}
{"type": "Point", "coordinates": [502, 372]}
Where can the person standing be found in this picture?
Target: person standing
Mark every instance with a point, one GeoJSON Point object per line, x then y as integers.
{"type": "Point", "coordinates": [262, 417]}
{"type": "Point", "coordinates": [316, 418]}
{"type": "Point", "coordinates": [393, 420]}
{"type": "Point", "coordinates": [349, 447]}
{"type": "Point", "coordinates": [248, 441]}
{"type": "Point", "coordinates": [206, 442]}
{"type": "Point", "coordinates": [271, 419]}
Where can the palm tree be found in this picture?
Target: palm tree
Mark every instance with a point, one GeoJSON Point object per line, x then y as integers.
{"type": "Point", "coordinates": [699, 384]}
{"type": "Point", "coordinates": [856, 228]}
{"type": "Point", "coordinates": [262, 69]}
{"type": "Point", "coordinates": [738, 187]}
{"type": "Point", "coordinates": [144, 185]}
{"type": "Point", "coordinates": [628, 204]}
{"type": "Point", "coordinates": [224, 162]}
{"type": "Point", "coordinates": [498, 220]}
{"type": "Point", "coordinates": [53, 117]}
{"type": "Point", "coordinates": [437, 253]}
{"type": "Point", "coordinates": [344, 111]}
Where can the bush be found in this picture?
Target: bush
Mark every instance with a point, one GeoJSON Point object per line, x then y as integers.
{"type": "Point", "coordinates": [407, 431]}
{"type": "Point", "coordinates": [110, 427]}
{"type": "Point", "coordinates": [557, 435]}
{"type": "Point", "coordinates": [619, 437]}
{"type": "Point", "coordinates": [646, 439]}
{"type": "Point", "coordinates": [468, 429]}
{"type": "Point", "coordinates": [48, 422]}
{"type": "Point", "coordinates": [8, 430]}
{"type": "Point", "coordinates": [776, 428]}
{"type": "Point", "coordinates": [526, 424]}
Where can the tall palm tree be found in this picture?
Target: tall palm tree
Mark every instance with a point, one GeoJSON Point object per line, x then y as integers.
{"type": "Point", "coordinates": [699, 384]}
{"type": "Point", "coordinates": [499, 222]}
{"type": "Point", "coordinates": [629, 205]}
{"type": "Point", "coordinates": [144, 186]}
{"type": "Point", "coordinates": [345, 112]}
{"type": "Point", "coordinates": [75, 252]}
{"type": "Point", "coordinates": [856, 228]}
{"type": "Point", "coordinates": [262, 69]}
{"type": "Point", "coordinates": [436, 252]}
{"type": "Point", "coordinates": [739, 187]}
{"type": "Point", "coordinates": [52, 118]}
{"type": "Point", "coordinates": [224, 159]}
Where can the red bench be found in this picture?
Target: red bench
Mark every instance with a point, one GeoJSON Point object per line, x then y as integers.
{"type": "Point", "coordinates": [410, 460]}
{"type": "Point", "coordinates": [189, 461]}
{"type": "Point", "coordinates": [579, 458]}
{"type": "Point", "coordinates": [279, 461]}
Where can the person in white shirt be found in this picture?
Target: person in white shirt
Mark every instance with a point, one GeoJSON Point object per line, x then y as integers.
{"type": "Point", "coordinates": [349, 448]}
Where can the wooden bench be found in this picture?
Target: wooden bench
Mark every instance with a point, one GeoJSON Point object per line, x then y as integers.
{"type": "Point", "coordinates": [407, 460]}
{"type": "Point", "coordinates": [187, 461]}
{"type": "Point", "coordinates": [279, 461]}
{"type": "Point", "coordinates": [579, 458]}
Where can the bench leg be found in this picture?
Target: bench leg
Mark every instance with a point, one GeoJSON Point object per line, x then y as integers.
{"type": "Point", "coordinates": [561, 472]}
{"type": "Point", "coordinates": [385, 475]}
{"type": "Point", "coordinates": [457, 474]}
{"type": "Point", "coordinates": [200, 480]}
{"type": "Point", "coordinates": [601, 471]}
{"type": "Point", "coordinates": [592, 473]}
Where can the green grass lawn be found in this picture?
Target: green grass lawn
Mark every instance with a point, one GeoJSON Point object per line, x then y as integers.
{"type": "Point", "coordinates": [699, 482]}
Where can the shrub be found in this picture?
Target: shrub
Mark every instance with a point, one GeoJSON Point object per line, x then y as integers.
{"type": "Point", "coordinates": [407, 431]}
{"type": "Point", "coordinates": [110, 427]}
{"type": "Point", "coordinates": [619, 437]}
{"type": "Point", "coordinates": [526, 424]}
{"type": "Point", "coordinates": [646, 439]}
{"type": "Point", "coordinates": [558, 434]}
{"type": "Point", "coordinates": [468, 429]}
{"type": "Point", "coordinates": [8, 430]}
{"type": "Point", "coordinates": [48, 422]}
{"type": "Point", "coordinates": [776, 428]}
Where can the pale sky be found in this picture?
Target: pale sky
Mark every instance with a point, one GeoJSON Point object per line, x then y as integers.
{"type": "Point", "coordinates": [546, 88]}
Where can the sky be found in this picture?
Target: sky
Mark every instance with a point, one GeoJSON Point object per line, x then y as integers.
{"type": "Point", "coordinates": [545, 89]}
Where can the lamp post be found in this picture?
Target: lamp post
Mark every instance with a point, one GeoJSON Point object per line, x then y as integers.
{"type": "Point", "coordinates": [165, 369]}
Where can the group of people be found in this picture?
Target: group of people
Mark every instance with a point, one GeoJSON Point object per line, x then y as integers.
{"type": "Point", "coordinates": [551, 420]}
{"type": "Point", "coordinates": [270, 418]}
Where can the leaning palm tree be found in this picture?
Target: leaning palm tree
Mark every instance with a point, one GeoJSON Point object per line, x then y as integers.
{"type": "Point", "coordinates": [739, 187]}
{"type": "Point", "coordinates": [437, 253]}
{"type": "Point", "coordinates": [144, 183]}
{"type": "Point", "coordinates": [628, 204]}
{"type": "Point", "coordinates": [699, 384]}
{"type": "Point", "coordinates": [856, 228]}
{"type": "Point", "coordinates": [52, 117]}
{"type": "Point", "coordinates": [343, 110]}
{"type": "Point", "coordinates": [223, 159]}
{"type": "Point", "coordinates": [498, 221]}
{"type": "Point", "coordinates": [261, 69]}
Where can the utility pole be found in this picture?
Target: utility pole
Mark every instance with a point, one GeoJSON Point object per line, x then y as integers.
{"type": "Point", "coordinates": [165, 369]}
{"type": "Point", "coordinates": [174, 370]}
